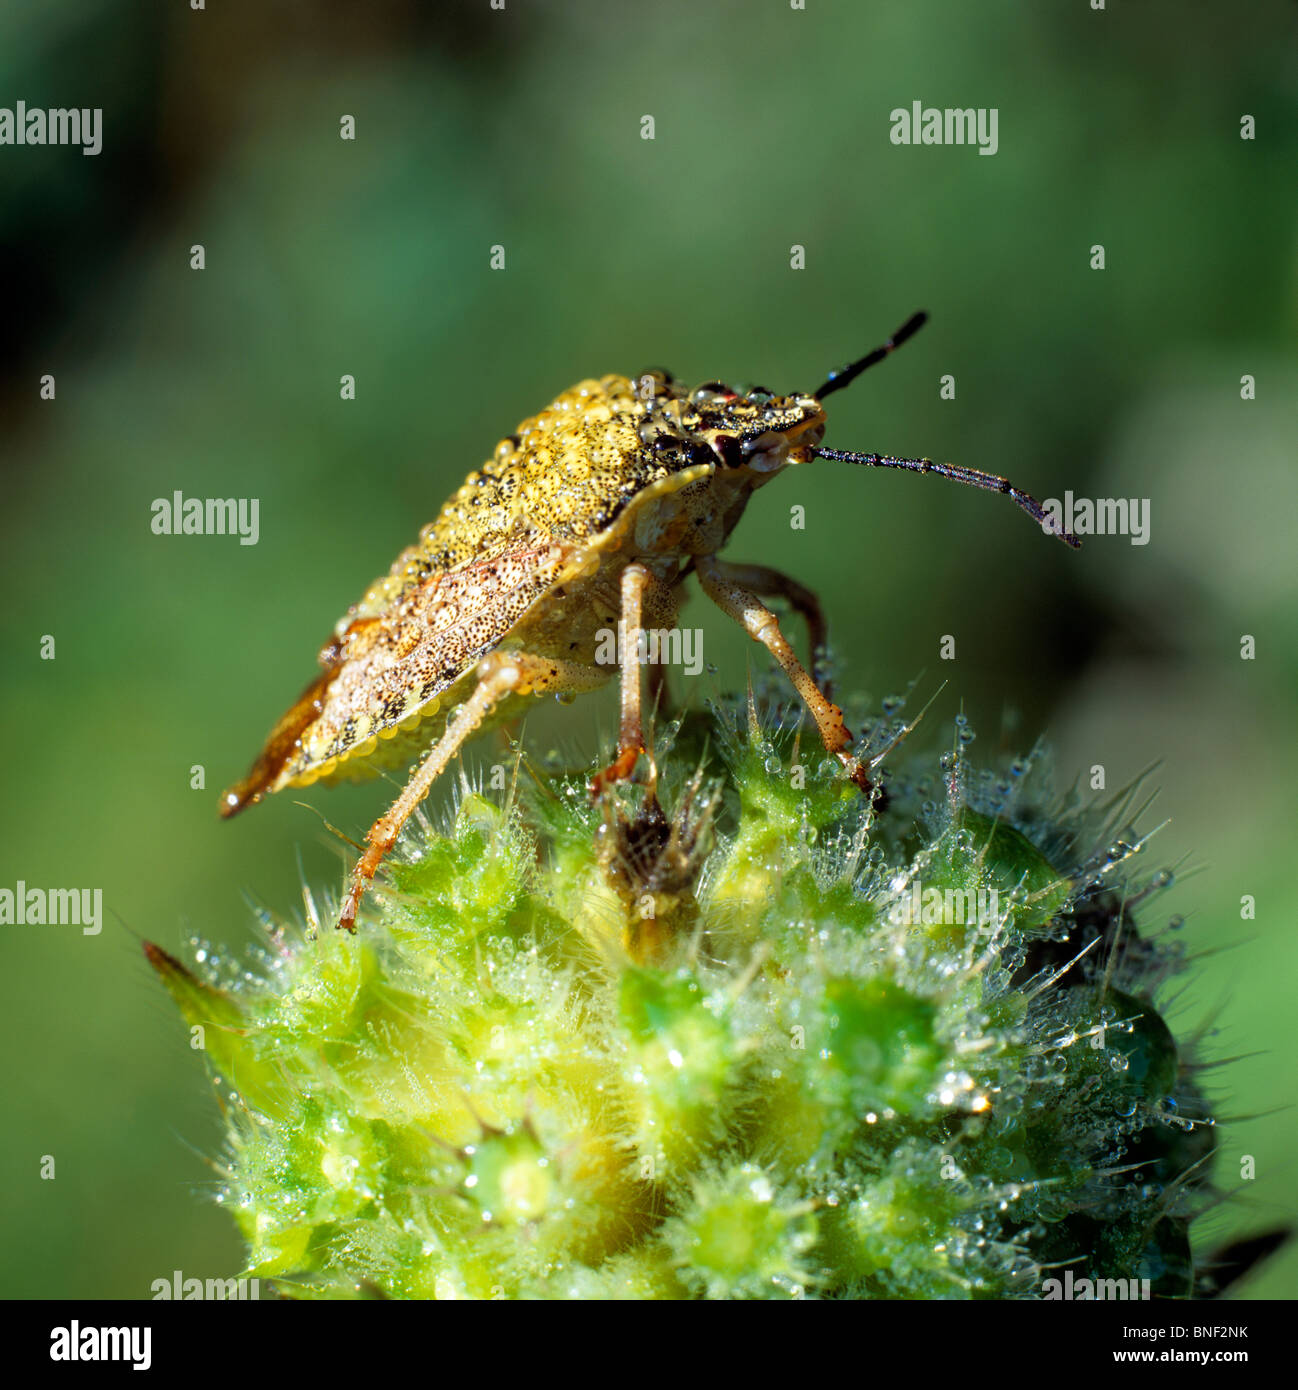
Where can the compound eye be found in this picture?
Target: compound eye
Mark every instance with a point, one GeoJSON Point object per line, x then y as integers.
{"type": "Point", "coordinates": [728, 449]}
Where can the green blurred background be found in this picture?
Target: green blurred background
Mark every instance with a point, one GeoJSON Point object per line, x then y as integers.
{"type": "Point", "coordinates": [522, 128]}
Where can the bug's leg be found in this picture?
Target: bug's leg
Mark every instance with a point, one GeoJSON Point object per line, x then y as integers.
{"type": "Point", "coordinates": [499, 675]}
{"type": "Point", "coordinates": [640, 589]}
{"type": "Point", "coordinates": [725, 589]}
{"type": "Point", "coordinates": [768, 583]}
{"type": "Point", "coordinates": [630, 731]}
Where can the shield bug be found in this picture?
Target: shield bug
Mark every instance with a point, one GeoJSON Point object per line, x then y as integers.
{"type": "Point", "coordinates": [595, 511]}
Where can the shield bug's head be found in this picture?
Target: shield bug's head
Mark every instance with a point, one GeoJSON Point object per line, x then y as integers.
{"type": "Point", "coordinates": [753, 428]}
{"type": "Point", "coordinates": [737, 429]}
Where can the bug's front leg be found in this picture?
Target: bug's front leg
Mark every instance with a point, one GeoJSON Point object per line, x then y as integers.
{"type": "Point", "coordinates": [499, 675]}
{"type": "Point", "coordinates": [724, 585]}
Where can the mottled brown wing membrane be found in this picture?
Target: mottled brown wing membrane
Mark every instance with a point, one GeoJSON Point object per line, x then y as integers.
{"type": "Point", "coordinates": [388, 670]}
{"type": "Point", "coordinates": [284, 738]}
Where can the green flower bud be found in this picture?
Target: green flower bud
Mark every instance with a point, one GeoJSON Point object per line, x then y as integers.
{"type": "Point", "coordinates": [741, 1035]}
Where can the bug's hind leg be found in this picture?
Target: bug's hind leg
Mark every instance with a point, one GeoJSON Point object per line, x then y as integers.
{"type": "Point", "coordinates": [724, 585]}
{"type": "Point", "coordinates": [499, 675]}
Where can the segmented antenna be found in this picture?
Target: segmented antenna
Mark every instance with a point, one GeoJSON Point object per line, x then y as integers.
{"type": "Point", "coordinates": [845, 376]}
{"type": "Point", "coordinates": [975, 477]}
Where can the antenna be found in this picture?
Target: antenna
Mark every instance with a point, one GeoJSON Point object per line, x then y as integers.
{"type": "Point", "coordinates": [845, 376]}
{"type": "Point", "coordinates": [975, 477]}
